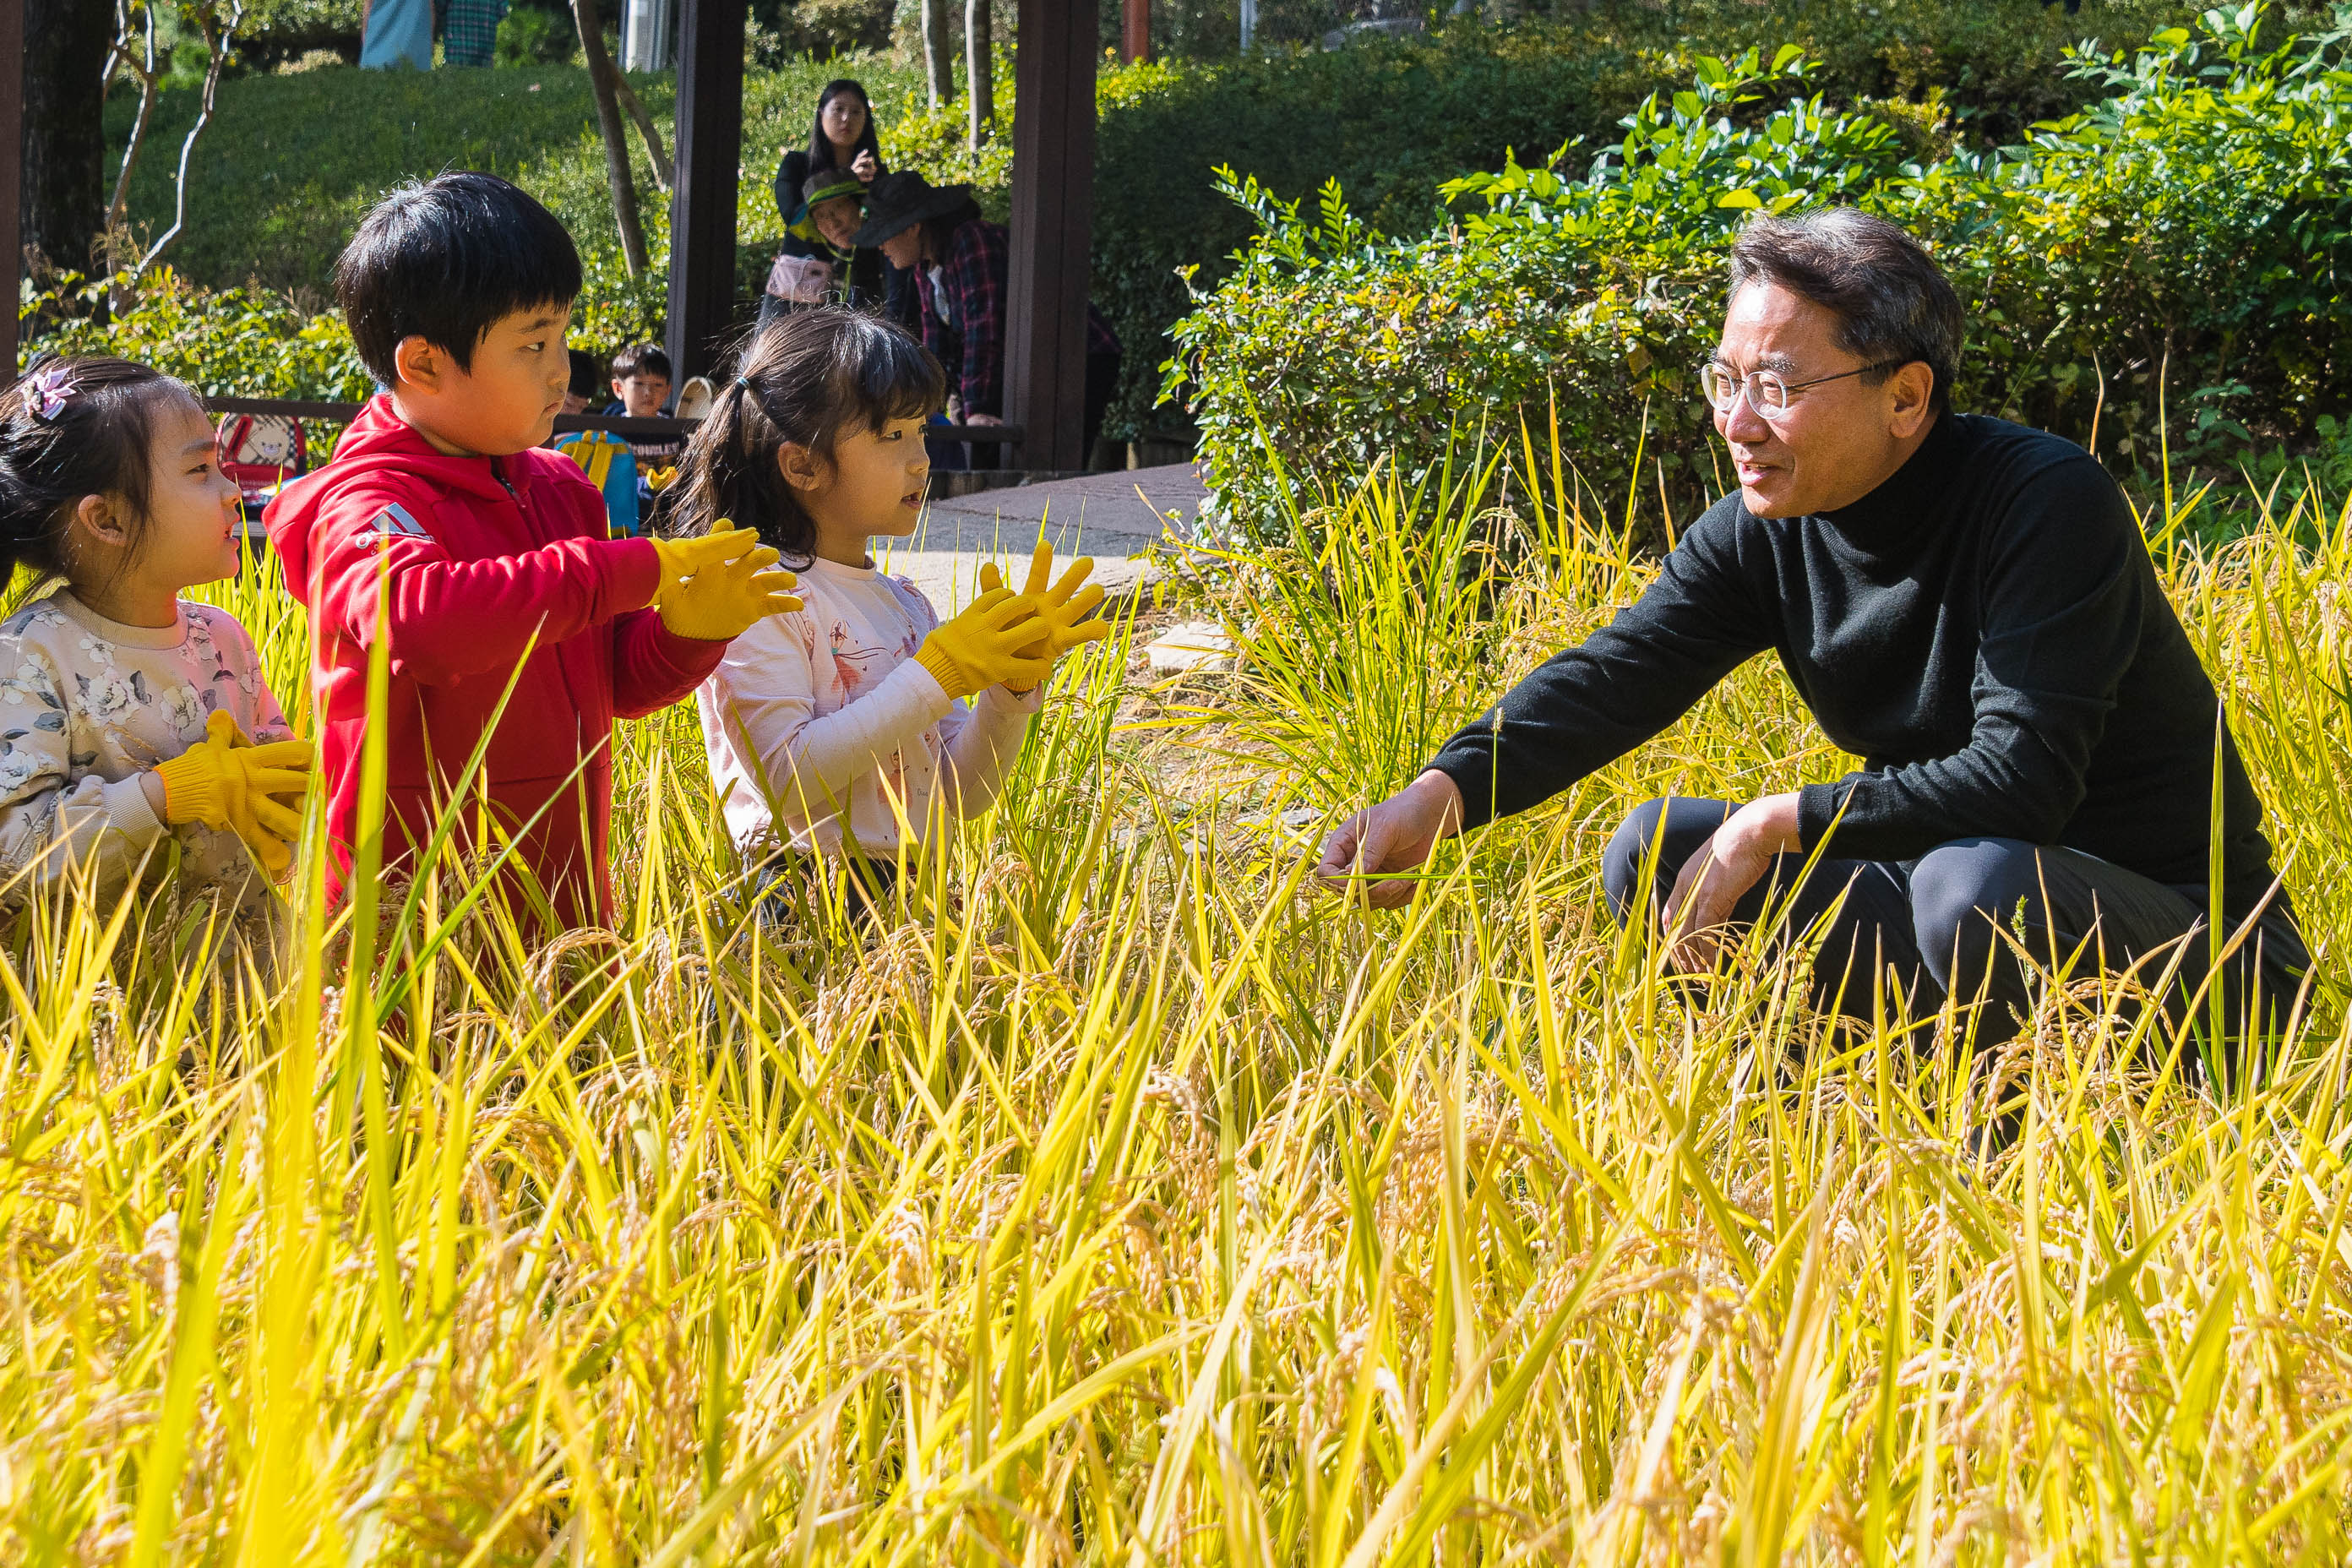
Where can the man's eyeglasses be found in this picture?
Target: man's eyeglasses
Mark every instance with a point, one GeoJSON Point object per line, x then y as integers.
{"type": "Point", "coordinates": [1767, 392]}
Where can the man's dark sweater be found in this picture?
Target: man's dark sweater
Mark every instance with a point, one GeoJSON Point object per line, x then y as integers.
{"type": "Point", "coordinates": [1985, 629]}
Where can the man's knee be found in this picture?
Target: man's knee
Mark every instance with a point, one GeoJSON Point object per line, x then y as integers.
{"type": "Point", "coordinates": [1653, 842]}
{"type": "Point", "coordinates": [1627, 856]}
{"type": "Point", "coordinates": [1964, 896]}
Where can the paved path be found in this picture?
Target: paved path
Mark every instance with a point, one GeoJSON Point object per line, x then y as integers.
{"type": "Point", "coordinates": [1109, 516]}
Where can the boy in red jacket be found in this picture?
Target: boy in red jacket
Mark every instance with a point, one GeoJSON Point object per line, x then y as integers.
{"type": "Point", "coordinates": [439, 518]}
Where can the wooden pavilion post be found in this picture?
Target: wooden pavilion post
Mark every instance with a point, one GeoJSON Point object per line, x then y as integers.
{"type": "Point", "coordinates": [12, 171]}
{"type": "Point", "coordinates": [702, 201]}
{"type": "Point", "coordinates": [1053, 218]}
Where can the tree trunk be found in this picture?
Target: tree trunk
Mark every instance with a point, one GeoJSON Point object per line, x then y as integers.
{"type": "Point", "coordinates": [602, 78]}
{"type": "Point", "coordinates": [64, 211]}
{"type": "Point", "coordinates": [979, 67]}
{"type": "Point", "coordinates": [939, 52]}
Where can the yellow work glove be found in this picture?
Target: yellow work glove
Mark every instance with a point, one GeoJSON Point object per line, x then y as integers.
{"type": "Point", "coordinates": [984, 645]}
{"type": "Point", "coordinates": [720, 585]}
{"type": "Point", "coordinates": [224, 782]}
{"type": "Point", "coordinates": [1064, 607]}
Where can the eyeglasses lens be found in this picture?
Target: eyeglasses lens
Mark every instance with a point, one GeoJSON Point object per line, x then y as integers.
{"type": "Point", "coordinates": [1766, 393]}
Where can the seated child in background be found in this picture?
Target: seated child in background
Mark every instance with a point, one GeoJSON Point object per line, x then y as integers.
{"type": "Point", "coordinates": [842, 724]}
{"type": "Point", "coordinates": [641, 381]}
{"type": "Point", "coordinates": [490, 551]}
{"type": "Point", "coordinates": [127, 714]}
{"type": "Point", "coordinates": [604, 457]}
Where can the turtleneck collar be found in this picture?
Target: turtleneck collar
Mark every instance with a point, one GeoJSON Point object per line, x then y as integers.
{"type": "Point", "coordinates": [1908, 495]}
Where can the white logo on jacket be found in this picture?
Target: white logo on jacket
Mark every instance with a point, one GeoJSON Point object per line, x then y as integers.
{"type": "Point", "coordinates": [395, 520]}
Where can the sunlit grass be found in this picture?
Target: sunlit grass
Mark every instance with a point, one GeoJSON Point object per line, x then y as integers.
{"type": "Point", "coordinates": [1121, 1202]}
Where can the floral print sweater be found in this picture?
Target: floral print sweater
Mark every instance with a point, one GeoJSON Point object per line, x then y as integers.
{"type": "Point", "coordinates": [822, 711]}
{"type": "Point", "coordinates": [86, 707]}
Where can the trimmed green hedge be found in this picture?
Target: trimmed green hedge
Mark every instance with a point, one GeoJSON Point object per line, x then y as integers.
{"type": "Point", "coordinates": [2181, 248]}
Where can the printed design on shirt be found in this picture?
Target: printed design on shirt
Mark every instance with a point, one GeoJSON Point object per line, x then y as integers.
{"type": "Point", "coordinates": [207, 654]}
{"type": "Point", "coordinates": [109, 696]}
{"type": "Point", "coordinates": [184, 708]}
{"type": "Point", "coordinates": [393, 521]}
{"type": "Point", "coordinates": [31, 704]}
{"type": "Point", "coordinates": [849, 659]}
{"type": "Point", "coordinates": [74, 703]}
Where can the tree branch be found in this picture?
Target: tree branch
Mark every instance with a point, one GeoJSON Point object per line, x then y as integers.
{"type": "Point", "coordinates": [218, 34]}
{"type": "Point", "coordinates": [123, 57]}
{"type": "Point", "coordinates": [664, 172]}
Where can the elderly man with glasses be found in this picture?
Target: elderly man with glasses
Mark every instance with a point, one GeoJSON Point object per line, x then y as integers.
{"type": "Point", "coordinates": [1966, 604]}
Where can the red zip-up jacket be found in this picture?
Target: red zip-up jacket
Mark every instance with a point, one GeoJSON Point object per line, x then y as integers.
{"type": "Point", "coordinates": [476, 554]}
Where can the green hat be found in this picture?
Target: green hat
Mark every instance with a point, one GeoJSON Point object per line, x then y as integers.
{"type": "Point", "coordinates": [830, 185]}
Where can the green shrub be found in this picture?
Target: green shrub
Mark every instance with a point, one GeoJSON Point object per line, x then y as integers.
{"type": "Point", "coordinates": [247, 342]}
{"type": "Point", "coordinates": [2191, 230]}
{"type": "Point", "coordinates": [529, 36]}
{"type": "Point", "coordinates": [2186, 230]}
{"type": "Point", "coordinates": [1393, 120]}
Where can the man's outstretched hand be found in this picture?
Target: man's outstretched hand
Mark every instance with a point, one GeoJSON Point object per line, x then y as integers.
{"type": "Point", "coordinates": [1395, 836]}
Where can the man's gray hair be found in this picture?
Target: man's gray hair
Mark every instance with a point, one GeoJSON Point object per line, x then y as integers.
{"type": "Point", "coordinates": [1891, 300]}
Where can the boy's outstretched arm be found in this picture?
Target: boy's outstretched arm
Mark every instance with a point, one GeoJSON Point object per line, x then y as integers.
{"type": "Point", "coordinates": [712, 587]}
{"type": "Point", "coordinates": [446, 619]}
{"type": "Point", "coordinates": [652, 667]}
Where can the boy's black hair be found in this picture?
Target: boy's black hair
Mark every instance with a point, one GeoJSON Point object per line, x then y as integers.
{"type": "Point", "coordinates": [443, 261]}
{"type": "Point", "coordinates": [641, 359]}
{"type": "Point", "coordinates": [587, 374]}
{"type": "Point", "coordinates": [811, 378]}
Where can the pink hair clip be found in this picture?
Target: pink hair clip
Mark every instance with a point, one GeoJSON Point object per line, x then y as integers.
{"type": "Point", "coordinates": [48, 393]}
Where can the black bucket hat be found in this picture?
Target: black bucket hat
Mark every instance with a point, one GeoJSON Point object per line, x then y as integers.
{"type": "Point", "coordinates": [901, 199]}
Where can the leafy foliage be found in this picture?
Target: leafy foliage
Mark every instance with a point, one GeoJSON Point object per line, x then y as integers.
{"type": "Point", "coordinates": [247, 342]}
{"type": "Point", "coordinates": [2189, 229]}
{"type": "Point", "coordinates": [1393, 120]}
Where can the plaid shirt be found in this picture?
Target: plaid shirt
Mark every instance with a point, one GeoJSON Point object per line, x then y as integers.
{"type": "Point", "coordinates": [964, 314]}
{"type": "Point", "coordinates": [470, 31]}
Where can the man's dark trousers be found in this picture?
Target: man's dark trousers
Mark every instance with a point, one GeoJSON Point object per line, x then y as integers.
{"type": "Point", "coordinates": [1940, 925]}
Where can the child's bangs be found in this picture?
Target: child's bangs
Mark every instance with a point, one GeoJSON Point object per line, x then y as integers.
{"type": "Point", "coordinates": [886, 375]}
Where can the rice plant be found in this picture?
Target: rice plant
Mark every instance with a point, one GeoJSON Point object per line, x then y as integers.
{"type": "Point", "coordinates": [1114, 1199]}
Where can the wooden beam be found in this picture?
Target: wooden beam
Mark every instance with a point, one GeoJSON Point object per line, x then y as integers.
{"type": "Point", "coordinates": [1135, 32]}
{"type": "Point", "coordinates": [617, 423]}
{"type": "Point", "coordinates": [702, 204]}
{"type": "Point", "coordinates": [1053, 218]}
{"type": "Point", "coordinates": [12, 171]}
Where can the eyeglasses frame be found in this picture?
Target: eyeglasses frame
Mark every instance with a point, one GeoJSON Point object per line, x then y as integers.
{"type": "Point", "coordinates": [1741, 384]}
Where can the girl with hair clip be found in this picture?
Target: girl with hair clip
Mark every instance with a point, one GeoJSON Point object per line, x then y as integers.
{"type": "Point", "coordinates": [130, 715]}
{"type": "Point", "coordinates": [843, 726]}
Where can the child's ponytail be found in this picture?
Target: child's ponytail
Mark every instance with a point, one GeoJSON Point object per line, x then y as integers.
{"type": "Point", "coordinates": [809, 379]}
{"type": "Point", "coordinates": [69, 429]}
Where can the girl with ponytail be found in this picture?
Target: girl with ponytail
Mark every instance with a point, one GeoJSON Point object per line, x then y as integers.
{"type": "Point", "coordinates": [128, 715]}
{"type": "Point", "coordinates": [842, 727]}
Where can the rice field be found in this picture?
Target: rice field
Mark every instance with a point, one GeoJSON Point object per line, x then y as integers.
{"type": "Point", "coordinates": [1115, 1199]}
